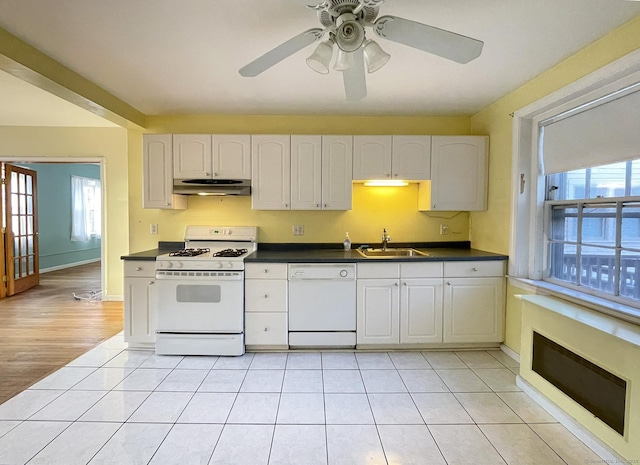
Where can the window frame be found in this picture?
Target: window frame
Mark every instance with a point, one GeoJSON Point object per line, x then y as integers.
{"type": "Point", "coordinates": [528, 216]}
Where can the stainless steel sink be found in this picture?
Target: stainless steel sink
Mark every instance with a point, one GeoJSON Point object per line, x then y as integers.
{"type": "Point", "coordinates": [391, 253]}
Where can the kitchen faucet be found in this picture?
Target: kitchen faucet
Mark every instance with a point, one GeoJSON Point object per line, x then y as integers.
{"type": "Point", "coordinates": [385, 239]}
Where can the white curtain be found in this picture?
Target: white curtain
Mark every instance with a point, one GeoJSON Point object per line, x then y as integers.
{"type": "Point", "coordinates": [78, 210]}
{"type": "Point", "coordinates": [86, 207]}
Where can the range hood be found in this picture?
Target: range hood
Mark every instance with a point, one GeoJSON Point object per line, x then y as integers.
{"type": "Point", "coordinates": [212, 186]}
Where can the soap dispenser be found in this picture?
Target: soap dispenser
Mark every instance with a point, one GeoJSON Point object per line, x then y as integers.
{"type": "Point", "coordinates": [347, 243]}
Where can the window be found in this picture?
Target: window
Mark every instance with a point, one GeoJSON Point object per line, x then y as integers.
{"type": "Point", "coordinates": [85, 208]}
{"type": "Point", "coordinates": [576, 209]}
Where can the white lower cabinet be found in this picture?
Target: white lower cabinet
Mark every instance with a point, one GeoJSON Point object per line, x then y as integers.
{"type": "Point", "coordinates": [430, 303]}
{"type": "Point", "coordinates": [139, 303]}
{"type": "Point", "coordinates": [404, 307]}
{"type": "Point", "coordinates": [265, 305]}
{"type": "Point", "coordinates": [474, 302]}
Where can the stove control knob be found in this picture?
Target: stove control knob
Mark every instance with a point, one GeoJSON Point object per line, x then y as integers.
{"type": "Point", "coordinates": [166, 265]}
{"type": "Point", "coordinates": [219, 264]}
{"type": "Point", "coordinates": [229, 265]}
{"type": "Point", "coordinates": [178, 264]}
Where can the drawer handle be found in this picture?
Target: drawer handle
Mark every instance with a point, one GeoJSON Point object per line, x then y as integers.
{"type": "Point", "coordinates": [475, 268]}
{"type": "Point", "coordinates": [266, 270]}
{"type": "Point", "coordinates": [266, 296]}
{"type": "Point", "coordinates": [138, 268]}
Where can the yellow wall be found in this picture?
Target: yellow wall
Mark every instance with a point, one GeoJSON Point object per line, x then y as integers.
{"type": "Point", "coordinates": [107, 143]}
{"type": "Point", "coordinates": [373, 208]}
{"type": "Point", "coordinates": [490, 230]}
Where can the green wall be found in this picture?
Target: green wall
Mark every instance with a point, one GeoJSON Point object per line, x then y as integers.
{"type": "Point", "coordinates": [54, 214]}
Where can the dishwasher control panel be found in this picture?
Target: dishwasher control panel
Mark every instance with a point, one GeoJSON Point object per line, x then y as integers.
{"type": "Point", "coordinates": [322, 271]}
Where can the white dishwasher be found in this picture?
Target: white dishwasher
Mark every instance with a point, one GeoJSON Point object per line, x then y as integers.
{"type": "Point", "coordinates": [322, 305]}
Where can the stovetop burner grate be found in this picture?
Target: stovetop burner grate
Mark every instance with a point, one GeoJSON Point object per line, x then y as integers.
{"type": "Point", "coordinates": [230, 253]}
{"type": "Point", "coordinates": [189, 252]}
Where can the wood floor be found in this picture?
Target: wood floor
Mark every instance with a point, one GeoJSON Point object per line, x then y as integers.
{"type": "Point", "coordinates": [45, 328]}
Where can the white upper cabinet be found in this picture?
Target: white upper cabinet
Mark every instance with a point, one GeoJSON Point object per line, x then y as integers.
{"type": "Point", "coordinates": [372, 157]}
{"type": "Point", "coordinates": [232, 156]}
{"type": "Point", "coordinates": [204, 156]}
{"type": "Point", "coordinates": [337, 169]}
{"type": "Point", "coordinates": [391, 157]}
{"type": "Point", "coordinates": [306, 172]}
{"type": "Point", "coordinates": [411, 159]}
{"type": "Point", "coordinates": [192, 156]}
{"type": "Point", "coordinates": [157, 173]}
{"type": "Point", "coordinates": [459, 168]}
{"type": "Point", "coordinates": [271, 172]}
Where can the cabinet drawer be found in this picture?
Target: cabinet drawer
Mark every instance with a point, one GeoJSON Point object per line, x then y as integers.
{"type": "Point", "coordinates": [265, 295]}
{"type": "Point", "coordinates": [378, 270]}
{"type": "Point", "coordinates": [265, 271]}
{"type": "Point", "coordinates": [421, 270]}
{"type": "Point", "coordinates": [265, 329]}
{"type": "Point", "coordinates": [473, 268]}
{"type": "Point", "coordinates": [140, 268]}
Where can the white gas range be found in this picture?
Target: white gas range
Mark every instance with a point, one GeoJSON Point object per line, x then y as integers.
{"type": "Point", "coordinates": [201, 292]}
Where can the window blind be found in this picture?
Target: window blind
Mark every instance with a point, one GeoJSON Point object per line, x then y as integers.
{"type": "Point", "coordinates": [603, 132]}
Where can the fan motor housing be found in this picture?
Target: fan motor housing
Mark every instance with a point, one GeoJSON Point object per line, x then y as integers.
{"type": "Point", "coordinates": [338, 7]}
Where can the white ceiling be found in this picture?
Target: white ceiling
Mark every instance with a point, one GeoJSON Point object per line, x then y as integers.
{"type": "Point", "coordinates": [182, 57]}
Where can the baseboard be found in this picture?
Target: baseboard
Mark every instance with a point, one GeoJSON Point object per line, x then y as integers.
{"type": "Point", "coordinates": [113, 298]}
{"type": "Point", "coordinates": [510, 352]}
{"type": "Point", "coordinates": [69, 265]}
{"type": "Point", "coordinates": [593, 442]}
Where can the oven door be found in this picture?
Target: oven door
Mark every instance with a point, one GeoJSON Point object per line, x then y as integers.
{"type": "Point", "coordinates": [200, 301]}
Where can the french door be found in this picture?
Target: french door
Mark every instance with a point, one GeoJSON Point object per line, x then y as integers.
{"type": "Point", "coordinates": [20, 230]}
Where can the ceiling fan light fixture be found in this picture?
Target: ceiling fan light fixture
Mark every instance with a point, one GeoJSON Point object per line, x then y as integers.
{"type": "Point", "coordinates": [320, 59]}
{"type": "Point", "coordinates": [344, 60]}
{"type": "Point", "coordinates": [349, 32]}
{"type": "Point", "coordinates": [374, 57]}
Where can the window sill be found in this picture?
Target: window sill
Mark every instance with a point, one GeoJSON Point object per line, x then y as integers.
{"type": "Point", "coordinates": [613, 309]}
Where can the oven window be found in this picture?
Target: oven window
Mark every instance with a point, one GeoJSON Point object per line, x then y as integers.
{"type": "Point", "coordinates": [205, 293]}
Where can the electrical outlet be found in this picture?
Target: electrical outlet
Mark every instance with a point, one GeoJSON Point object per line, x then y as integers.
{"type": "Point", "coordinates": [153, 228]}
{"type": "Point", "coordinates": [297, 230]}
{"type": "Point", "coordinates": [444, 229]}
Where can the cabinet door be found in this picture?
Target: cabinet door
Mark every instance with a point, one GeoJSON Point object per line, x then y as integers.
{"type": "Point", "coordinates": [473, 310]}
{"type": "Point", "coordinates": [192, 156]}
{"type": "Point", "coordinates": [306, 172]}
{"type": "Point", "coordinates": [157, 173]}
{"type": "Point", "coordinates": [371, 157]}
{"type": "Point", "coordinates": [411, 158]}
{"type": "Point", "coordinates": [271, 172]}
{"type": "Point", "coordinates": [377, 311]}
{"type": "Point", "coordinates": [232, 156]}
{"type": "Point", "coordinates": [337, 171]}
{"type": "Point", "coordinates": [421, 311]}
{"type": "Point", "coordinates": [139, 310]}
{"type": "Point", "coordinates": [459, 173]}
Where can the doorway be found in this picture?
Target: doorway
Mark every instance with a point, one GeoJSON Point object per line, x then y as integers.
{"type": "Point", "coordinates": [59, 244]}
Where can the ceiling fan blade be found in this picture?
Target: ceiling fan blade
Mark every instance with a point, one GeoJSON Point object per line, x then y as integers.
{"type": "Point", "coordinates": [355, 82]}
{"type": "Point", "coordinates": [430, 39]}
{"type": "Point", "coordinates": [281, 52]}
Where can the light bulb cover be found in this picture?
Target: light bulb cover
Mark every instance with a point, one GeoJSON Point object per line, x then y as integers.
{"type": "Point", "coordinates": [349, 33]}
{"type": "Point", "coordinates": [374, 57]}
{"type": "Point", "coordinates": [320, 59]}
{"type": "Point", "coordinates": [385, 183]}
{"type": "Point", "coordinates": [344, 60]}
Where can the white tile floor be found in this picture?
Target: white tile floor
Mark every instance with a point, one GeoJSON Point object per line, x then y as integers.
{"type": "Point", "coordinates": [117, 406]}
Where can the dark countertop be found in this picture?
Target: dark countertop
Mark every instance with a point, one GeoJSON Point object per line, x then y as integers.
{"type": "Point", "coordinates": [318, 254]}
{"type": "Point", "coordinates": [340, 256]}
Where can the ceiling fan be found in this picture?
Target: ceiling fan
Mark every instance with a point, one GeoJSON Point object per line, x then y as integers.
{"type": "Point", "coordinates": [345, 22]}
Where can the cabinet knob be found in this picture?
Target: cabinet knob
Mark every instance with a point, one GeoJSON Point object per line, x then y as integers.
{"type": "Point", "coordinates": [207, 174]}
{"type": "Point", "coordinates": [266, 270]}
{"type": "Point", "coordinates": [448, 283]}
{"type": "Point", "coordinates": [266, 296]}
{"type": "Point", "coordinates": [404, 284]}
{"type": "Point", "coordinates": [266, 329]}
{"type": "Point", "coordinates": [395, 284]}
{"type": "Point", "coordinates": [434, 205]}
{"type": "Point", "coordinates": [168, 204]}
{"type": "Point", "coordinates": [214, 174]}
{"type": "Point", "coordinates": [326, 205]}
{"type": "Point", "coordinates": [388, 175]}
{"type": "Point", "coordinates": [286, 205]}
{"type": "Point", "coordinates": [151, 282]}
{"type": "Point", "coordinates": [475, 268]}
{"type": "Point", "coordinates": [317, 205]}
{"type": "Point", "coordinates": [395, 175]}
{"type": "Point", "coordinates": [138, 268]}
